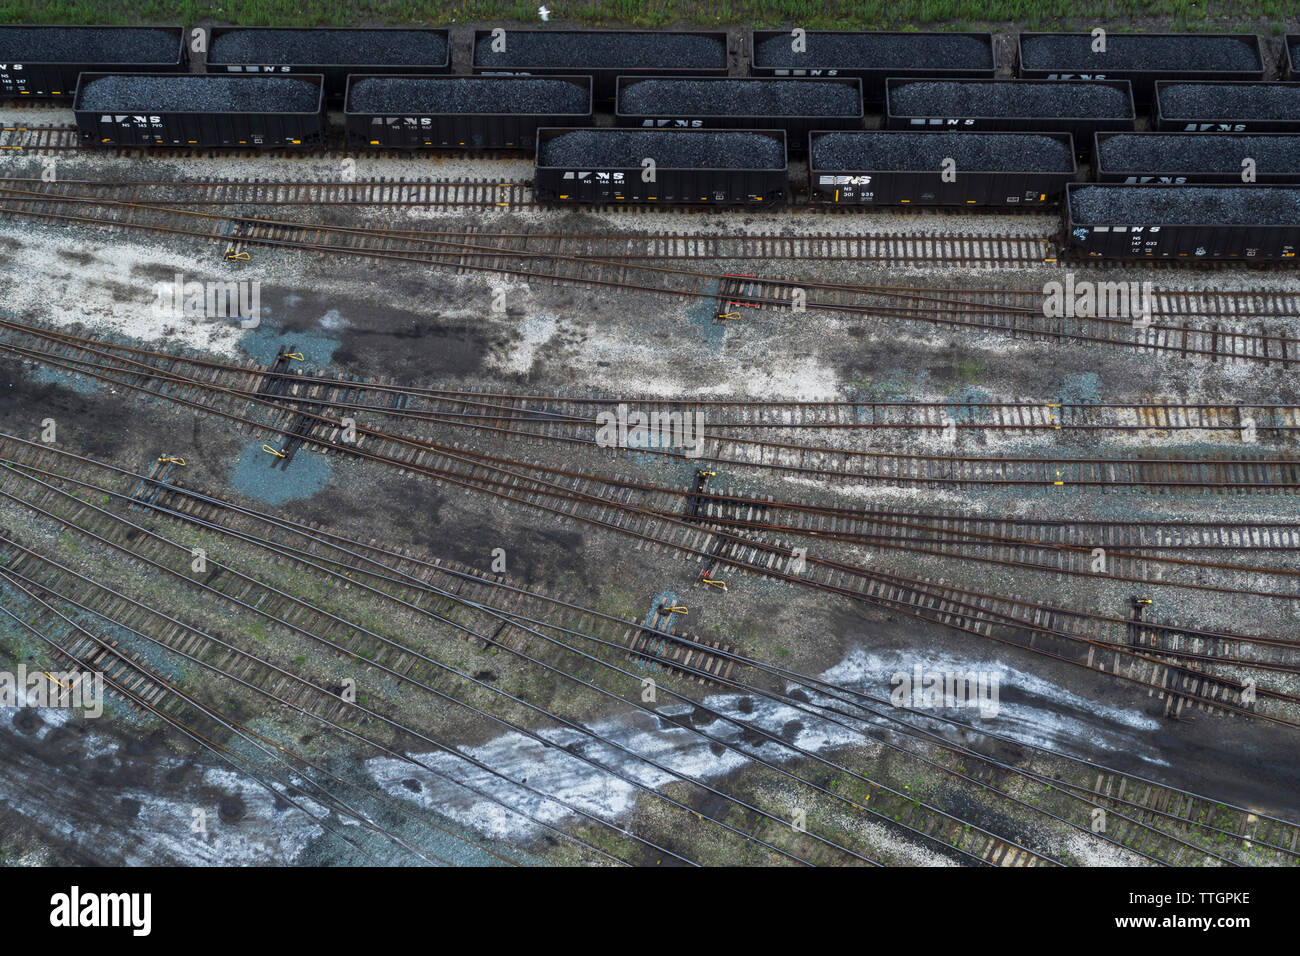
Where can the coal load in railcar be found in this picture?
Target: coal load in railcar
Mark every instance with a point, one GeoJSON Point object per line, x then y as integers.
{"type": "Point", "coordinates": [604, 55]}
{"type": "Point", "coordinates": [872, 56]}
{"type": "Point", "coordinates": [335, 53]}
{"type": "Point", "coordinates": [462, 112]}
{"type": "Point", "coordinates": [796, 106]}
{"type": "Point", "coordinates": [1078, 107]}
{"type": "Point", "coordinates": [1141, 59]}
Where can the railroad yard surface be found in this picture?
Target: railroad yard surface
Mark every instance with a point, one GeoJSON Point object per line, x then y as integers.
{"type": "Point", "coordinates": [378, 568]}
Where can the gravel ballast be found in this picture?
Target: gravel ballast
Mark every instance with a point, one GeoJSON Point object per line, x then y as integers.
{"type": "Point", "coordinates": [687, 97]}
{"type": "Point", "coordinates": [330, 48]}
{"type": "Point", "coordinates": [198, 93]}
{"type": "Point", "coordinates": [925, 152]}
{"type": "Point", "coordinates": [1180, 54]}
{"type": "Point", "coordinates": [1196, 153]}
{"type": "Point", "coordinates": [1186, 205]}
{"type": "Point", "coordinates": [876, 51]}
{"type": "Point", "coordinates": [1224, 101]}
{"type": "Point", "coordinates": [625, 149]}
{"type": "Point", "coordinates": [956, 98]}
{"type": "Point", "coordinates": [463, 94]}
{"type": "Point", "coordinates": [598, 49]}
{"type": "Point", "coordinates": [88, 45]}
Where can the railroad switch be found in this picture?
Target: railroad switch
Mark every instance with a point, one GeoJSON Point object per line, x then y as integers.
{"type": "Point", "coordinates": [274, 451]}
{"type": "Point", "coordinates": [713, 583]}
{"type": "Point", "coordinates": [274, 383]}
{"type": "Point", "coordinates": [732, 284]}
{"type": "Point", "coordinates": [235, 253]}
{"type": "Point", "coordinates": [1136, 633]}
{"type": "Point", "coordinates": [674, 608]}
{"type": "Point", "coordinates": [695, 500]}
{"type": "Point", "coordinates": [148, 488]}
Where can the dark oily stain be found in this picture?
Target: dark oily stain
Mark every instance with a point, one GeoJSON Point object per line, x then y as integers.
{"type": "Point", "coordinates": [178, 773]}
{"type": "Point", "coordinates": [485, 675]}
{"type": "Point", "coordinates": [130, 807]}
{"type": "Point", "coordinates": [62, 745]}
{"type": "Point", "coordinates": [745, 705]}
{"type": "Point", "coordinates": [460, 349]}
{"type": "Point", "coordinates": [27, 720]}
{"type": "Point", "coordinates": [101, 769]}
{"type": "Point", "coordinates": [410, 783]}
{"type": "Point", "coordinates": [232, 809]}
{"type": "Point", "coordinates": [702, 716]}
{"type": "Point", "coordinates": [79, 258]}
{"type": "Point", "coordinates": [791, 729]}
{"type": "Point", "coordinates": [668, 721]}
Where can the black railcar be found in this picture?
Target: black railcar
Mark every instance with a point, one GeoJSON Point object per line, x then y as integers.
{"type": "Point", "coordinates": [1228, 107]}
{"type": "Point", "coordinates": [678, 112]}
{"type": "Point", "coordinates": [604, 55]}
{"type": "Point", "coordinates": [333, 52]}
{"type": "Point", "coordinates": [200, 109]}
{"type": "Point", "coordinates": [45, 61]}
{"type": "Point", "coordinates": [899, 167]}
{"type": "Point", "coordinates": [1021, 106]}
{"type": "Point", "coordinates": [372, 117]}
{"type": "Point", "coordinates": [1141, 58]}
{"type": "Point", "coordinates": [1152, 221]}
{"type": "Point", "coordinates": [1196, 158]}
{"type": "Point", "coordinates": [585, 171]}
{"type": "Point", "coordinates": [873, 56]}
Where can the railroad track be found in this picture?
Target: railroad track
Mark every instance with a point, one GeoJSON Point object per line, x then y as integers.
{"type": "Point", "coordinates": [402, 573]}
{"type": "Point", "coordinates": [1229, 327]}
{"type": "Point", "coordinates": [413, 192]}
{"type": "Point", "coordinates": [1213, 326]}
{"type": "Point", "coordinates": [1006, 250]}
{"type": "Point", "coordinates": [1157, 414]}
{"type": "Point", "coordinates": [130, 680]}
{"type": "Point", "coordinates": [202, 510]}
{"type": "Point", "coordinates": [189, 379]}
{"type": "Point", "coordinates": [333, 632]}
{"type": "Point", "coordinates": [998, 251]}
{"type": "Point", "coordinates": [652, 515]}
